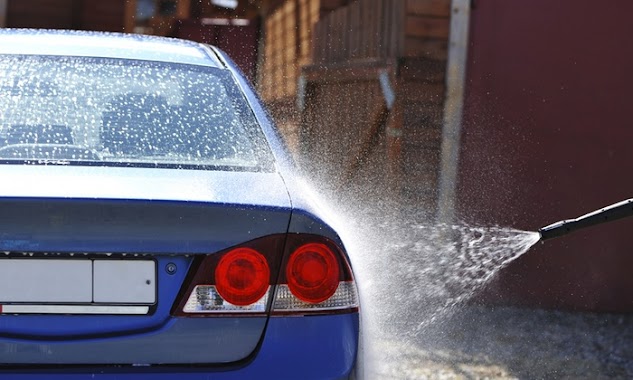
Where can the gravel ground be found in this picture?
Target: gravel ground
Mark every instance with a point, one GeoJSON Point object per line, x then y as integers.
{"type": "Point", "coordinates": [506, 343]}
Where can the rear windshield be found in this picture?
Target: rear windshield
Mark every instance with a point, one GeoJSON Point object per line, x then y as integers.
{"type": "Point", "coordinates": [94, 111]}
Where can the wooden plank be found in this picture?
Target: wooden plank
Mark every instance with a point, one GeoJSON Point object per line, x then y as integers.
{"type": "Point", "coordinates": [371, 35]}
{"type": "Point", "coordinates": [317, 43]}
{"type": "Point", "coordinates": [268, 6]}
{"type": "Point", "coordinates": [431, 48]}
{"type": "Point", "coordinates": [389, 27]}
{"type": "Point", "coordinates": [183, 9]}
{"type": "Point", "coordinates": [335, 34]}
{"type": "Point", "coordinates": [323, 39]}
{"type": "Point", "coordinates": [315, 7]}
{"type": "Point", "coordinates": [424, 113]}
{"type": "Point", "coordinates": [438, 8]}
{"type": "Point", "coordinates": [288, 52]}
{"type": "Point", "coordinates": [275, 61]}
{"type": "Point", "coordinates": [423, 131]}
{"type": "Point", "coordinates": [421, 26]}
{"type": "Point", "coordinates": [354, 26]}
{"type": "Point", "coordinates": [362, 14]}
{"type": "Point", "coordinates": [349, 33]}
{"type": "Point", "coordinates": [3, 13]}
{"type": "Point", "coordinates": [328, 5]}
{"type": "Point", "coordinates": [359, 71]}
{"type": "Point", "coordinates": [331, 37]}
{"type": "Point", "coordinates": [343, 33]}
{"type": "Point", "coordinates": [312, 11]}
{"type": "Point", "coordinates": [380, 29]}
{"type": "Point", "coordinates": [327, 40]}
{"type": "Point", "coordinates": [129, 16]}
{"type": "Point", "coordinates": [304, 31]}
{"type": "Point", "coordinates": [399, 29]}
{"type": "Point", "coordinates": [291, 81]}
{"type": "Point", "coordinates": [422, 69]}
{"type": "Point", "coordinates": [426, 93]}
{"type": "Point", "coordinates": [388, 37]}
{"type": "Point", "coordinates": [297, 29]}
{"type": "Point", "coordinates": [368, 23]}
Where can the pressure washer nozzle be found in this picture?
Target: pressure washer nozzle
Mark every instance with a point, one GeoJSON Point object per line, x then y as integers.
{"type": "Point", "coordinates": [607, 214]}
{"type": "Point", "coordinates": [557, 229]}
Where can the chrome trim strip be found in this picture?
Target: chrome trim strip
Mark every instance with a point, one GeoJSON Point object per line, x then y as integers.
{"type": "Point", "coordinates": [73, 309]}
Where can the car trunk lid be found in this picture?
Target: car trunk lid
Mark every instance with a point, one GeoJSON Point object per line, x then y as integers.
{"type": "Point", "coordinates": [94, 259]}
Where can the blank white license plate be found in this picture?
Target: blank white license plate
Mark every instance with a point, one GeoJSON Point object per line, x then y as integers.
{"type": "Point", "coordinates": [77, 281]}
{"type": "Point", "coordinates": [120, 281]}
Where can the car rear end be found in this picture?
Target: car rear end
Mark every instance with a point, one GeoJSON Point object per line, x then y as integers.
{"type": "Point", "coordinates": [145, 263]}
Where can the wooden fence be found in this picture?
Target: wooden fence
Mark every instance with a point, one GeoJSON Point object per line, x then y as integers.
{"type": "Point", "coordinates": [383, 29]}
{"type": "Point", "coordinates": [347, 125]}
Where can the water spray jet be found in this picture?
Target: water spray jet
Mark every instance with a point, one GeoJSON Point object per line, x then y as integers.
{"type": "Point", "coordinates": [607, 214]}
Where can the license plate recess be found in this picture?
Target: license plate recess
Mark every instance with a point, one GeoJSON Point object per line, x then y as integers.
{"type": "Point", "coordinates": [90, 286]}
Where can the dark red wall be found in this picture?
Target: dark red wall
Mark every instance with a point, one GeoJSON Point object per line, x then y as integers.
{"type": "Point", "coordinates": [67, 14]}
{"type": "Point", "coordinates": [548, 135]}
{"type": "Point", "coordinates": [53, 14]}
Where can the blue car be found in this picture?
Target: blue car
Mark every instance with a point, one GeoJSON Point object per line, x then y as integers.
{"type": "Point", "coordinates": [151, 224]}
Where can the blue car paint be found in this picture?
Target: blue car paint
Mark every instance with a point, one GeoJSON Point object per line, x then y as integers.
{"type": "Point", "coordinates": [105, 209]}
{"type": "Point", "coordinates": [318, 347]}
{"type": "Point", "coordinates": [315, 347]}
{"type": "Point", "coordinates": [152, 184]}
{"type": "Point", "coordinates": [37, 329]}
{"type": "Point", "coordinates": [132, 226]}
{"type": "Point", "coordinates": [190, 212]}
{"type": "Point", "coordinates": [191, 337]}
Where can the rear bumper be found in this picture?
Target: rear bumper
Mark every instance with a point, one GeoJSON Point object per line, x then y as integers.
{"type": "Point", "coordinates": [312, 347]}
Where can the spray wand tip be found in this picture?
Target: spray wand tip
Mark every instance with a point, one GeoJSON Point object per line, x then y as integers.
{"type": "Point", "coordinates": [559, 228]}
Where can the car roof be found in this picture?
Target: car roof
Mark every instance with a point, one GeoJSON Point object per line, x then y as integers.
{"type": "Point", "coordinates": [105, 45]}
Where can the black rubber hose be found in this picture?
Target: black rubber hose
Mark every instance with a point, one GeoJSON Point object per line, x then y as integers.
{"type": "Point", "coordinates": [607, 214]}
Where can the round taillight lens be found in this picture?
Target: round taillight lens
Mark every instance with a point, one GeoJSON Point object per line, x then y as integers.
{"type": "Point", "coordinates": [312, 273]}
{"type": "Point", "coordinates": [242, 276]}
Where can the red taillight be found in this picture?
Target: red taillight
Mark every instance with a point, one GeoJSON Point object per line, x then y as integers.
{"type": "Point", "coordinates": [312, 273]}
{"type": "Point", "coordinates": [315, 278]}
{"type": "Point", "coordinates": [242, 276]}
{"type": "Point", "coordinates": [285, 274]}
{"type": "Point", "coordinates": [237, 280]}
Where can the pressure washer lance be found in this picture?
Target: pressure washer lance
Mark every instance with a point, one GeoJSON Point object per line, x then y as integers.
{"type": "Point", "coordinates": [610, 213]}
